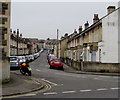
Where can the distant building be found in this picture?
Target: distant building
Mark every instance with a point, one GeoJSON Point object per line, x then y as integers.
{"type": "Point", "coordinates": [35, 44]}
{"type": "Point", "coordinates": [41, 43]}
{"type": "Point", "coordinates": [5, 11]}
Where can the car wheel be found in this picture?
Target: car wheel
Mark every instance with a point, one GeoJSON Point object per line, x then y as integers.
{"type": "Point", "coordinates": [50, 67]}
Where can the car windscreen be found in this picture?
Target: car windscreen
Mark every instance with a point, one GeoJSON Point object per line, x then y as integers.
{"type": "Point", "coordinates": [13, 58]}
{"type": "Point", "coordinates": [53, 57]}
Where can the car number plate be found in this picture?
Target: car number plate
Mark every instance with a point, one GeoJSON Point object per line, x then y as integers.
{"type": "Point", "coordinates": [57, 63]}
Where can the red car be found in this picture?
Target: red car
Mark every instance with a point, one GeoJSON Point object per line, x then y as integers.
{"type": "Point", "coordinates": [51, 58]}
{"type": "Point", "coordinates": [56, 63]}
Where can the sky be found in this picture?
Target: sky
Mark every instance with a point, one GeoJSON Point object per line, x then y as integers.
{"type": "Point", "coordinates": [42, 19]}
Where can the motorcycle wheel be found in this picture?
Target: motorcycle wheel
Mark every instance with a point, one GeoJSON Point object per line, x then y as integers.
{"type": "Point", "coordinates": [22, 72]}
{"type": "Point", "coordinates": [29, 73]}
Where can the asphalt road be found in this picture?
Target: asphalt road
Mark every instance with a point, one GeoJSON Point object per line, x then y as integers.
{"type": "Point", "coordinates": [71, 85]}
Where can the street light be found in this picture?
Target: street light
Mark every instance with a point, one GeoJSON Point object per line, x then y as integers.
{"type": "Point", "coordinates": [17, 40]}
{"type": "Point", "coordinates": [57, 41]}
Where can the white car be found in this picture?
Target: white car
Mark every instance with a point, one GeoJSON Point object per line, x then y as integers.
{"type": "Point", "coordinates": [21, 59]}
{"type": "Point", "coordinates": [31, 57]}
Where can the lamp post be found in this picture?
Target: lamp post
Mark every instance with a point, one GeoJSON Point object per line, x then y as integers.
{"type": "Point", "coordinates": [57, 41]}
{"type": "Point", "coordinates": [17, 40]}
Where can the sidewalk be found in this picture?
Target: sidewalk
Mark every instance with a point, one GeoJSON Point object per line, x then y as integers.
{"type": "Point", "coordinates": [71, 70]}
{"type": "Point", "coordinates": [20, 84]}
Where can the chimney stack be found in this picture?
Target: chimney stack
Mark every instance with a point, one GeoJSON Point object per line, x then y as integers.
{"type": "Point", "coordinates": [66, 34]}
{"type": "Point", "coordinates": [80, 29]}
{"type": "Point", "coordinates": [14, 32]}
{"type": "Point", "coordinates": [86, 25]}
{"type": "Point", "coordinates": [20, 35]}
{"type": "Point", "coordinates": [75, 31]}
{"type": "Point", "coordinates": [96, 18]}
{"type": "Point", "coordinates": [110, 9]}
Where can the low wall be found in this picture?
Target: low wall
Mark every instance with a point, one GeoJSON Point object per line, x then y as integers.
{"type": "Point", "coordinates": [93, 66]}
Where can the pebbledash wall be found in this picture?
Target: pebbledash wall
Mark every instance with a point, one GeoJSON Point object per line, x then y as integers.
{"type": "Point", "coordinates": [119, 32]}
{"type": "Point", "coordinates": [109, 45]}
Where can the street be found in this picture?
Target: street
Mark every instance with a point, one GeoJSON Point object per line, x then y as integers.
{"type": "Point", "coordinates": [71, 85]}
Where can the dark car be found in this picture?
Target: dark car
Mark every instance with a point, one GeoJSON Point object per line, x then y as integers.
{"type": "Point", "coordinates": [14, 62]}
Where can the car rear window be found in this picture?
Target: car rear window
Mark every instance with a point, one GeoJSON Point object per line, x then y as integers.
{"type": "Point", "coordinates": [56, 60]}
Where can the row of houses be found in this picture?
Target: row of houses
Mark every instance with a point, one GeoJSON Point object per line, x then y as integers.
{"type": "Point", "coordinates": [96, 47]}
{"type": "Point", "coordinates": [11, 42]}
{"type": "Point", "coordinates": [20, 45]}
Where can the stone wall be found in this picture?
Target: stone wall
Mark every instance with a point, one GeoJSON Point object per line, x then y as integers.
{"type": "Point", "coordinates": [93, 66]}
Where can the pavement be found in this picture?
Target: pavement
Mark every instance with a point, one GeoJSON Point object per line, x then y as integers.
{"type": "Point", "coordinates": [20, 84]}
{"type": "Point", "coordinates": [71, 70]}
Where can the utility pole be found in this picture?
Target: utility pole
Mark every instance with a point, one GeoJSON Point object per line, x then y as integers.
{"type": "Point", "coordinates": [57, 41]}
{"type": "Point", "coordinates": [17, 40]}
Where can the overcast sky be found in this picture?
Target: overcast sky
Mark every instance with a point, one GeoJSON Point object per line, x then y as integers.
{"type": "Point", "coordinates": [41, 20]}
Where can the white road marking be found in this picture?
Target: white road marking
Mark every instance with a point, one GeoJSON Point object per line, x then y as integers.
{"type": "Point", "coordinates": [105, 76]}
{"type": "Point", "coordinates": [69, 92]}
{"type": "Point", "coordinates": [51, 93]}
{"type": "Point", "coordinates": [102, 89]}
{"type": "Point", "coordinates": [38, 70]}
{"type": "Point", "coordinates": [29, 94]}
{"type": "Point", "coordinates": [64, 74]}
{"type": "Point", "coordinates": [36, 82]}
{"type": "Point", "coordinates": [114, 88]}
{"type": "Point", "coordinates": [85, 90]}
{"type": "Point", "coordinates": [96, 78]}
{"type": "Point", "coordinates": [49, 82]}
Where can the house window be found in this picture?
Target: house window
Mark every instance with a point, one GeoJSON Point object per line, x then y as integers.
{"type": "Point", "coordinates": [90, 36]}
{"type": "Point", "coordinates": [96, 35]}
{"type": "Point", "coordinates": [3, 20]}
{"type": "Point", "coordinates": [3, 30]}
{"type": "Point", "coordinates": [3, 7]}
{"type": "Point", "coordinates": [73, 55]}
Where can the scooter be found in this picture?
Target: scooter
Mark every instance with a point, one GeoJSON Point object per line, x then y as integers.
{"type": "Point", "coordinates": [25, 70]}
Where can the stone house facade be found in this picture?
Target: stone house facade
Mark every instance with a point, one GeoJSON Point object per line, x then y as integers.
{"type": "Point", "coordinates": [96, 45]}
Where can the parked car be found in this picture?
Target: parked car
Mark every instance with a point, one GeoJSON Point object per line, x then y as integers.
{"type": "Point", "coordinates": [36, 55]}
{"type": "Point", "coordinates": [22, 59]}
{"type": "Point", "coordinates": [31, 57]}
{"type": "Point", "coordinates": [14, 62]}
{"type": "Point", "coordinates": [51, 57]}
{"type": "Point", "coordinates": [27, 58]}
{"type": "Point", "coordinates": [56, 63]}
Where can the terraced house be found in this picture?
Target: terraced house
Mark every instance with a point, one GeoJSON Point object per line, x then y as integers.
{"type": "Point", "coordinates": [96, 47]}
{"type": "Point", "coordinates": [21, 46]}
{"type": "Point", "coordinates": [18, 44]}
{"type": "Point", "coordinates": [4, 39]}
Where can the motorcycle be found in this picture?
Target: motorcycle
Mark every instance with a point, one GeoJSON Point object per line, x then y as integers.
{"type": "Point", "coordinates": [24, 69]}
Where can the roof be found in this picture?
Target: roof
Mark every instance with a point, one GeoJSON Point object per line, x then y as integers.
{"type": "Point", "coordinates": [91, 27]}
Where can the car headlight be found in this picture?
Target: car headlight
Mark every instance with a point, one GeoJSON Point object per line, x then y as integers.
{"type": "Point", "coordinates": [16, 63]}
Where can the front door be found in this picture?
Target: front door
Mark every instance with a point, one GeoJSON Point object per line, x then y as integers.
{"type": "Point", "coordinates": [93, 56]}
